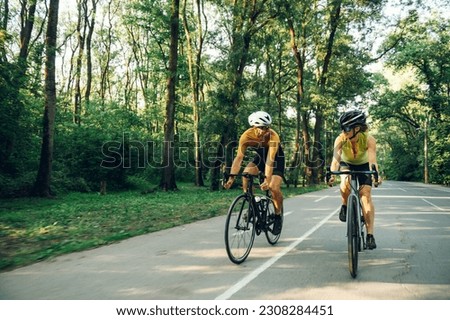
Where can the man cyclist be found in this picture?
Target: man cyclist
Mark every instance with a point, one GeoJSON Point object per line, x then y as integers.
{"type": "Point", "coordinates": [269, 159]}
{"type": "Point", "coordinates": [355, 149]}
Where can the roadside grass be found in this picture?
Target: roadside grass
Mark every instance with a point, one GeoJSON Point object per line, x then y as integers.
{"type": "Point", "coordinates": [35, 229]}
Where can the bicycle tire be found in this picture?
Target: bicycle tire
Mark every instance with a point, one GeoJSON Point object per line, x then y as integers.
{"type": "Point", "coordinates": [352, 235]}
{"type": "Point", "coordinates": [239, 229]}
{"type": "Point", "coordinates": [271, 238]}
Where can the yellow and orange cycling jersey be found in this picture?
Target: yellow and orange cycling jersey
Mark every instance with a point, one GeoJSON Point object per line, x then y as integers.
{"type": "Point", "coordinates": [356, 154]}
{"type": "Point", "coordinates": [269, 139]}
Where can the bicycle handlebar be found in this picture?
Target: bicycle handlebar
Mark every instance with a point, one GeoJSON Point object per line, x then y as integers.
{"type": "Point", "coordinates": [373, 172]}
{"type": "Point", "coordinates": [247, 175]}
{"type": "Point", "coordinates": [261, 175]}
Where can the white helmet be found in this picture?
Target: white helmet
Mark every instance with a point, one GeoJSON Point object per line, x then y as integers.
{"type": "Point", "coordinates": [259, 119]}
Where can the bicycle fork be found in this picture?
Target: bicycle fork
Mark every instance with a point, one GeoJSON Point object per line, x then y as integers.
{"type": "Point", "coordinates": [360, 223]}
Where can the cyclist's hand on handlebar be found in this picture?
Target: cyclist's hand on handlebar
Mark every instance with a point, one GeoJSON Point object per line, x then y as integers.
{"type": "Point", "coordinates": [229, 183]}
{"type": "Point", "coordinates": [377, 183]}
{"type": "Point", "coordinates": [264, 186]}
{"type": "Point", "coordinates": [331, 180]}
{"type": "Point", "coordinates": [376, 178]}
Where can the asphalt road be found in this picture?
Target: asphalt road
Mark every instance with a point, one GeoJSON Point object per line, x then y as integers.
{"type": "Point", "coordinates": [412, 261]}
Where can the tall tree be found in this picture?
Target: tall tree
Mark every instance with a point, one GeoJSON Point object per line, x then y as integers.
{"type": "Point", "coordinates": [317, 158]}
{"type": "Point", "coordinates": [297, 35]}
{"type": "Point", "coordinates": [168, 173]}
{"type": "Point", "coordinates": [27, 15]}
{"type": "Point", "coordinates": [248, 17]}
{"type": "Point", "coordinates": [194, 57]}
{"type": "Point", "coordinates": [91, 25]}
{"type": "Point", "coordinates": [43, 180]}
{"type": "Point", "coordinates": [316, 29]}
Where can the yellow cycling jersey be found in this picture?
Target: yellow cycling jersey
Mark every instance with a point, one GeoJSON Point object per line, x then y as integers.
{"type": "Point", "coordinates": [249, 138]}
{"type": "Point", "coordinates": [356, 154]}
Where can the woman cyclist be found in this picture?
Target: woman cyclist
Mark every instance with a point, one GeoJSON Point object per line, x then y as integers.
{"type": "Point", "coordinates": [355, 149]}
{"type": "Point", "coordinates": [269, 159]}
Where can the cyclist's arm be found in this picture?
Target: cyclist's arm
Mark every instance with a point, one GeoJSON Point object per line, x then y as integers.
{"type": "Point", "coordinates": [236, 165]}
{"type": "Point", "coordinates": [270, 161]}
{"type": "Point", "coordinates": [337, 152]}
{"type": "Point", "coordinates": [237, 162]}
{"type": "Point", "coordinates": [335, 162]}
{"type": "Point", "coordinates": [274, 145]}
{"type": "Point", "coordinates": [372, 151]}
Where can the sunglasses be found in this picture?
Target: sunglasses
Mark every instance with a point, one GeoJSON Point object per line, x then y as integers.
{"type": "Point", "coordinates": [347, 129]}
{"type": "Point", "coordinates": [264, 128]}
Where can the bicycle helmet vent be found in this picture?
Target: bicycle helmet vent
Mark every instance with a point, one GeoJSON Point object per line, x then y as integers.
{"type": "Point", "coordinates": [351, 119]}
{"type": "Point", "coordinates": [259, 119]}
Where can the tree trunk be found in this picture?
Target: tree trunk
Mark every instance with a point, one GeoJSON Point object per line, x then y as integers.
{"type": "Point", "coordinates": [168, 175]}
{"type": "Point", "coordinates": [4, 26]}
{"type": "Point", "coordinates": [299, 57]}
{"type": "Point", "coordinates": [91, 25]}
{"type": "Point", "coordinates": [194, 60]}
{"type": "Point", "coordinates": [81, 32]}
{"type": "Point", "coordinates": [43, 179]}
{"type": "Point", "coordinates": [317, 159]}
{"type": "Point", "coordinates": [27, 22]}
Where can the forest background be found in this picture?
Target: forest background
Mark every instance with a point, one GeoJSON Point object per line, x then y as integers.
{"type": "Point", "coordinates": [100, 95]}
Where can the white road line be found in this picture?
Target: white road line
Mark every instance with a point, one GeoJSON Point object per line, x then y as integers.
{"type": "Point", "coordinates": [409, 197]}
{"type": "Point", "coordinates": [287, 213]}
{"type": "Point", "coordinates": [433, 204]}
{"type": "Point", "coordinates": [320, 199]}
{"type": "Point", "coordinates": [403, 190]}
{"type": "Point", "coordinates": [247, 279]}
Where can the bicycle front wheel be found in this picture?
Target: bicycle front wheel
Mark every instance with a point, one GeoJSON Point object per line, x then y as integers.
{"type": "Point", "coordinates": [270, 216]}
{"type": "Point", "coordinates": [352, 235]}
{"type": "Point", "coordinates": [239, 229]}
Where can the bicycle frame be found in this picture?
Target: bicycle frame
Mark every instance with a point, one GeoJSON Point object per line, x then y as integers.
{"type": "Point", "coordinates": [253, 198]}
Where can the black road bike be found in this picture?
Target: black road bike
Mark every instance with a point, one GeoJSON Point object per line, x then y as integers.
{"type": "Point", "coordinates": [355, 219]}
{"type": "Point", "coordinates": [249, 215]}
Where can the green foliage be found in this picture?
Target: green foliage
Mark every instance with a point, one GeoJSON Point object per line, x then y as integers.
{"type": "Point", "coordinates": [420, 109]}
{"type": "Point", "coordinates": [19, 132]}
{"type": "Point", "coordinates": [440, 152]}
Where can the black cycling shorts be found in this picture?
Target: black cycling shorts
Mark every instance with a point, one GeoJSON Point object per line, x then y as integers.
{"type": "Point", "coordinates": [260, 160]}
{"type": "Point", "coordinates": [363, 179]}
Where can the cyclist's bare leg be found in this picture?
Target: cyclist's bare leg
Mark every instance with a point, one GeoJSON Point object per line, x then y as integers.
{"type": "Point", "coordinates": [277, 196]}
{"type": "Point", "coordinates": [367, 207]}
{"type": "Point", "coordinates": [345, 188]}
{"type": "Point", "coordinates": [252, 169]}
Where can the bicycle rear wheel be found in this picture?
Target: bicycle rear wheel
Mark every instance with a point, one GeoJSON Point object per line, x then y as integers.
{"type": "Point", "coordinates": [352, 235]}
{"type": "Point", "coordinates": [239, 229]}
{"type": "Point", "coordinates": [270, 216]}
